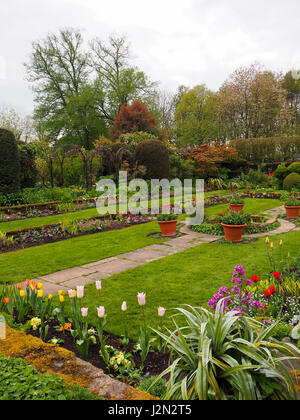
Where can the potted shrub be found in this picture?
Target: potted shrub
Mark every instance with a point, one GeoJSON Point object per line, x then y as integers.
{"type": "Point", "coordinates": [237, 203]}
{"type": "Point", "coordinates": [167, 224]}
{"type": "Point", "coordinates": [234, 225]}
{"type": "Point", "coordinates": [292, 207]}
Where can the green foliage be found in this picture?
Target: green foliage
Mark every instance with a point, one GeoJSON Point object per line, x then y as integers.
{"type": "Point", "coordinates": [291, 181]}
{"type": "Point", "coordinates": [267, 150]}
{"type": "Point", "coordinates": [281, 331]}
{"type": "Point", "coordinates": [257, 177]}
{"type": "Point", "coordinates": [154, 385]}
{"type": "Point", "coordinates": [154, 155]}
{"type": "Point", "coordinates": [221, 356]}
{"type": "Point", "coordinates": [294, 167]}
{"type": "Point", "coordinates": [9, 163]}
{"type": "Point", "coordinates": [233, 218]}
{"type": "Point", "coordinates": [195, 117]}
{"type": "Point", "coordinates": [28, 169]}
{"type": "Point", "coordinates": [21, 381]}
{"type": "Point", "coordinates": [181, 168]}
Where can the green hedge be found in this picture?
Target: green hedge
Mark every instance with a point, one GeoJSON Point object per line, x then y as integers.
{"type": "Point", "coordinates": [9, 163]}
{"type": "Point", "coordinates": [267, 150]}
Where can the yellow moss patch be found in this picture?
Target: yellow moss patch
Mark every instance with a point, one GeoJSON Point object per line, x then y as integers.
{"type": "Point", "coordinates": [46, 358]}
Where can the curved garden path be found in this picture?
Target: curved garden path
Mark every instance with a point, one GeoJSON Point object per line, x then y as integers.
{"type": "Point", "coordinates": [89, 273]}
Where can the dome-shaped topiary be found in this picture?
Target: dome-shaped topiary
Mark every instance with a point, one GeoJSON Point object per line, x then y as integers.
{"type": "Point", "coordinates": [9, 163]}
{"type": "Point", "coordinates": [155, 156]}
{"type": "Point", "coordinates": [294, 167]}
{"type": "Point", "coordinates": [291, 181]}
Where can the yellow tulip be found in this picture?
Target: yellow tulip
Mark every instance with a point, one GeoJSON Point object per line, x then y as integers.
{"type": "Point", "coordinates": [22, 293]}
{"type": "Point", "coordinates": [50, 297]}
{"type": "Point", "coordinates": [40, 293]}
{"type": "Point", "coordinates": [281, 243]}
{"type": "Point", "coordinates": [39, 286]}
{"type": "Point", "coordinates": [272, 245]}
{"type": "Point", "coordinates": [60, 292]}
{"type": "Point", "coordinates": [267, 241]}
{"type": "Point", "coordinates": [61, 299]}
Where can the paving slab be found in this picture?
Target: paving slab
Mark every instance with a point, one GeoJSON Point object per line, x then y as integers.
{"type": "Point", "coordinates": [68, 274]}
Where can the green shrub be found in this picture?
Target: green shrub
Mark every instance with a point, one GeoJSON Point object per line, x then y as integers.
{"type": "Point", "coordinates": [153, 385]}
{"type": "Point", "coordinates": [257, 178]}
{"type": "Point", "coordinates": [21, 381]}
{"type": "Point", "coordinates": [155, 156]}
{"type": "Point", "coordinates": [291, 181]}
{"type": "Point", "coordinates": [222, 356]}
{"type": "Point", "coordinates": [9, 163]}
{"type": "Point", "coordinates": [294, 167]}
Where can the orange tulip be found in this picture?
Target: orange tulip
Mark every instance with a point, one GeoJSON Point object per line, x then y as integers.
{"type": "Point", "coordinates": [6, 300]}
{"type": "Point", "coordinates": [19, 286]}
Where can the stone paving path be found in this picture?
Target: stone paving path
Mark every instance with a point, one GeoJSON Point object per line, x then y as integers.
{"type": "Point", "coordinates": [89, 273]}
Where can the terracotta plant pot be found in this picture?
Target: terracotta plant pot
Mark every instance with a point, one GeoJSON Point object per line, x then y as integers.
{"type": "Point", "coordinates": [237, 207]}
{"type": "Point", "coordinates": [292, 212]}
{"type": "Point", "coordinates": [233, 233]}
{"type": "Point", "coordinates": [168, 228]}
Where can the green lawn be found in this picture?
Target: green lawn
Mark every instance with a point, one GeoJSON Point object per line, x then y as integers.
{"type": "Point", "coordinates": [191, 277]}
{"type": "Point", "coordinates": [46, 259]}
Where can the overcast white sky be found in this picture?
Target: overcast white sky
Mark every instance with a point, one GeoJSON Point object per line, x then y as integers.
{"type": "Point", "coordinates": [174, 41]}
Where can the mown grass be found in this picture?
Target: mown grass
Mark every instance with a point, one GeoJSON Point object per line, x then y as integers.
{"type": "Point", "coordinates": [46, 259]}
{"type": "Point", "coordinates": [191, 277]}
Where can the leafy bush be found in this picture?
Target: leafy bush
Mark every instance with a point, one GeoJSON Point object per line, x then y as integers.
{"type": "Point", "coordinates": [257, 177]}
{"type": "Point", "coordinates": [155, 156]}
{"type": "Point", "coordinates": [221, 356]}
{"type": "Point", "coordinates": [21, 381]}
{"type": "Point", "coordinates": [9, 163]}
{"type": "Point", "coordinates": [294, 167]}
{"type": "Point", "coordinates": [291, 181]}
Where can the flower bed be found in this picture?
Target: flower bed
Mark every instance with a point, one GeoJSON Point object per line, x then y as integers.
{"type": "Point", "coordinates": [65, 230]}
{"type": "Point", "coordinates": [257, 224]}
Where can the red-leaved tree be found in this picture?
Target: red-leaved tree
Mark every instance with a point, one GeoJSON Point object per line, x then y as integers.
{"type": "Point", "coordinates": [133, 118]}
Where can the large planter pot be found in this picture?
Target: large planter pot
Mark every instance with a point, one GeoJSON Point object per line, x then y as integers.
{"type": "Point", "coordinates": [168, 228]}
{"type": "Point", "coordinates": [233, 233]}
{"type": "Point", "coordinates": [292, 212]}
{"type": "Point", "coordinates": [237, 207]}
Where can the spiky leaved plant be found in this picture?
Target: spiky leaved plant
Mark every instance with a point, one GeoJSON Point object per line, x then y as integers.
{"type": "Point", "coordinates": [222, 356]}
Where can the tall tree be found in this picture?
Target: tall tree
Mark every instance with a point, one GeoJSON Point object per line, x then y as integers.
{"type": "Point", "coordinates": [252, 103]}
{"type": "Point", "coordinates": [59, 70]}
{"type": "Point", "coordinates": [133, 118]}
{"type": "Point", "coordinates": [292, 86]}
{"type": "Point", "coordinates": [118, 81]}
{"type": "Point", "coordinates": [195, 117]}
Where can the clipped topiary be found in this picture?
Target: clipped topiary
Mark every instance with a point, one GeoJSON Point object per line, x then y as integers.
{"type": "Point", "coordinates": [294, 168]}
{"type": "Point", "coordinates": [291, 181]}
{"type": "Point", "coordinates": [155, 156]}
{"type": "Point", "coordinates": [9, 163]}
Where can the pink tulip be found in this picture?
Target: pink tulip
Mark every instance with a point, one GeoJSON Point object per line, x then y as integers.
{"type": "Point", "coordinates": [84, 312]}
{"type": "Point", "coordinates": [124, 307]}
{"type": "Point", "coordinates": [80, 292]}
{"type": "Point", "coordinates": [71, 293]}
{"type": "Point", "coordinates": [142, 299]}
{"type": "Point", "coordinates": [98, 285]}
{"type": "Point", "coordinates": [101, 311]}
{"type": "Point", "coordinates": [161, 311]}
